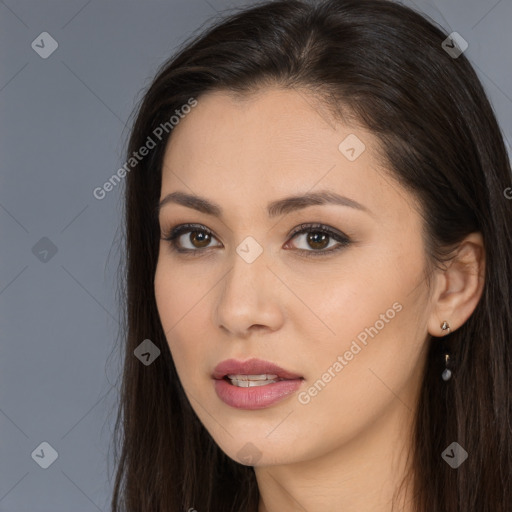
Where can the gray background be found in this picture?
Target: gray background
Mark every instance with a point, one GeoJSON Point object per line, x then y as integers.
{"type": "Point", "coordinates": [62, 133]}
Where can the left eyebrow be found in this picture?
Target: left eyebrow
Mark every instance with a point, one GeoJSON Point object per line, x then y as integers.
{"type": "Point", "coordinates": [274, 208]}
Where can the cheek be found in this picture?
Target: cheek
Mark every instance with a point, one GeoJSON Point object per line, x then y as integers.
{"type": "Point", "coordinates": [380, 345]}
{"type": "Point", "coordinates": [365, 293]}
{"type": "Point", "coordinates": [177, 293]}
{"type": "Point", "coordinates": [374, 319]}
{"type": "Point", "coordinates": [182, 307]}
{"type": "Point", "coordinates": [351, 383]}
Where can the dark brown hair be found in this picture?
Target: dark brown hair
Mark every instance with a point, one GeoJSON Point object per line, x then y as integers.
{"type": "Point", "coordinates": [383, 65]}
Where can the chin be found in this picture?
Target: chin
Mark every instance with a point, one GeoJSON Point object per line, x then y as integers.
{"type": "Point", "coordinates": [259, 451]}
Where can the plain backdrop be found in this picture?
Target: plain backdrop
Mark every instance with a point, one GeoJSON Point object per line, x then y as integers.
{"type": "Point", "coordinates": [62, 133]}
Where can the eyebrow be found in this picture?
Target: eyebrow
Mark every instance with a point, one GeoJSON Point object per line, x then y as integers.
{"type": "Point", "coordinates": [274, 208]}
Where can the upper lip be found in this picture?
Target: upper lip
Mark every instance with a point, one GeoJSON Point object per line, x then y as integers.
{"type": "Point", "coordinates": [251, 367]}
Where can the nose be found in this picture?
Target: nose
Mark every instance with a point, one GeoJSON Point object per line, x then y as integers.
{"type": "Point", "coordinates": [249, 297]}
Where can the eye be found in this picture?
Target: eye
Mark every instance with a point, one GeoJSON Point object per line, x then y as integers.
{"type": "Point", "coordinates": [199, 239]}
{"type": "Point", "coordinates": [317, 237]}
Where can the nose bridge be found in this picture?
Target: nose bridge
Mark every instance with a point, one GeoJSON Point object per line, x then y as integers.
{"type": "Point", "coordinates": [248, 265]}
{"type": "Point", "coordinates": [245, 297]}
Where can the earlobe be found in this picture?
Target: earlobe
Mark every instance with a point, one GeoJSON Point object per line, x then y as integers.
{"type": "Point", "coordinates": [462, 283]}
{"type": "Point", "coordinates": [445, 327]}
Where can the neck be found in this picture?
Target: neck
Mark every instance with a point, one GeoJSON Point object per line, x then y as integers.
{"type": "Point", "coordinates": [363, 474]}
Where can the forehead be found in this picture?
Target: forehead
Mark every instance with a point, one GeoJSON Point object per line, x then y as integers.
{"type": "Point", "coordinates": [268, 145]}
{"type": "Point", "coordinates": [268, 115]}
{"type": "Point", "coordinates": [273, 128]}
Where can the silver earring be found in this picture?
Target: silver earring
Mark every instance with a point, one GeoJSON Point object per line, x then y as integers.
{"type": "Point", "coordinates": [447, 373]}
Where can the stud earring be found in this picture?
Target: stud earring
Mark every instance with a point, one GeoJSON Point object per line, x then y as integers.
{"type": "Point", "coordinates": [447, 373]}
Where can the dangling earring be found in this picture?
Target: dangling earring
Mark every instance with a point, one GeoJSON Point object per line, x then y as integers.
{"type": "Point", "coordinates": [447, 373]}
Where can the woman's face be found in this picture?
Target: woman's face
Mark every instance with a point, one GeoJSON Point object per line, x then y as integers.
{"type": "Point", "coordinates": [344, 315]}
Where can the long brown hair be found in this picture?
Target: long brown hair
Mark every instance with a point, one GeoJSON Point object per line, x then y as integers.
{"type": "Point", "coordinates": [384, 65]}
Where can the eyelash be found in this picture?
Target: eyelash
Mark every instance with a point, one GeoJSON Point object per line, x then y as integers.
{"type": "Point", "coordinates": [343, 240]}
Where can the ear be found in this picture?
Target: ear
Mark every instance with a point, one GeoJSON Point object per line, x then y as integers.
{"type": "Point", "coordinates": [459, 286]}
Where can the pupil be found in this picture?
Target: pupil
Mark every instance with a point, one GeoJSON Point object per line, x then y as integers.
{"type": "Point", "coordinates": [204, 238]}
{"type": "Point", "coordinates": [316, 240]}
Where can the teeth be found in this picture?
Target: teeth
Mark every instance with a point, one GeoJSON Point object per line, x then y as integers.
{"type": "Point", "coordinates": [251, 383]}
{"type": "Point", "coordinates": [247, 381]}
{"type": "Point", "coordinates": [264, 376]}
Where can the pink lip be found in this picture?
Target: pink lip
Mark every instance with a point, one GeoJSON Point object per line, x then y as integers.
{"type": "Point", "coordinates": [257, 397]}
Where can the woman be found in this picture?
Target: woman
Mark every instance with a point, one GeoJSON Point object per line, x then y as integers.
{"type": "Point", "coordinates": [318, 272]}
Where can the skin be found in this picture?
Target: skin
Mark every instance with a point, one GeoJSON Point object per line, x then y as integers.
{"type": "Point", "coordinates": [346, 449]}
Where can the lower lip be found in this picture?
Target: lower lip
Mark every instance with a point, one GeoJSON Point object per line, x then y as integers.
{"type": "Point", "coordinates": [256, 397]}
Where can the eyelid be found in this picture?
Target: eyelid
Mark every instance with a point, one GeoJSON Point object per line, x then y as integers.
{"type": "Point", "coordinates": [316, 226]}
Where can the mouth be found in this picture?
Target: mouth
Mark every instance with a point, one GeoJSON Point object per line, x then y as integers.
{"type": "Point", "coordinates": [253, 370]}
{"type": "Point", "coordinates": [248, 381]}
{"type": "Point", "coordinates": [253, 384]}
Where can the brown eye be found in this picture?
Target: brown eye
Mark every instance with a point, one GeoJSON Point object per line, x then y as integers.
{"type": "Point", "coordinates": [317, 240]}
{"type": "Point", "coordinates": [199, 239]}
{"type": "Point", "coordinates": [190, 238]}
